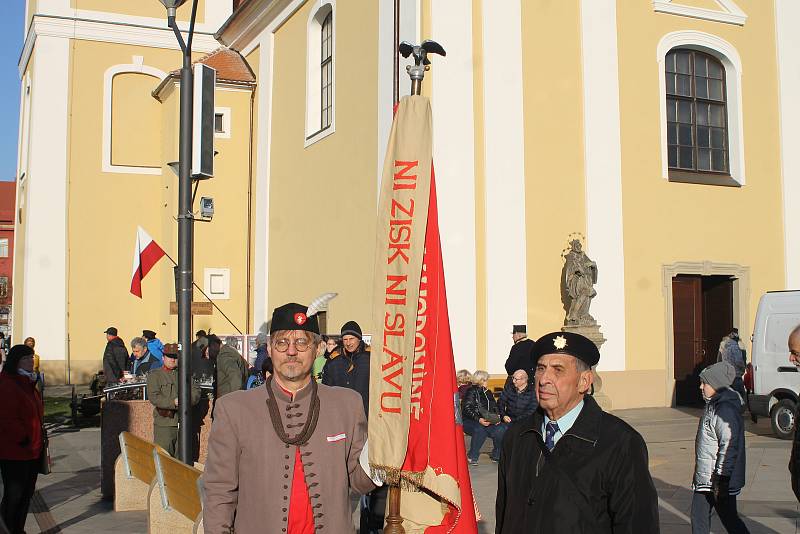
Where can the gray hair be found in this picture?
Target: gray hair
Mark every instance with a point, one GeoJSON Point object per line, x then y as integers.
{"type": "Point", "coordinates": [261, 339]}
{"type": "Point", "coordinates": [463, 377]}
{"type": "Point", "coordinates": [581, 365]}
{"type": "Point", "coordinates": [232, 341]}
{"type": "Point", "coordinates": [138, 342]}
{"type": "Point", "coordinates": [479, 376]}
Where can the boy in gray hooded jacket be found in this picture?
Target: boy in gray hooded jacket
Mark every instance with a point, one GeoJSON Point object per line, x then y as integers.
{"type": "Point", "coordinates": [719, 450]}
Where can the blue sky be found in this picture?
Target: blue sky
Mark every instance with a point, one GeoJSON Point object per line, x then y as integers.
{"type": "Point", "coordinates": [11, 29]}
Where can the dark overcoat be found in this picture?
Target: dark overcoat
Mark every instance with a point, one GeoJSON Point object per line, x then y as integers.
{"type": "Point", "coordinates": [521, 357]}
{"type": "Point", "coordinates": [595, 481]}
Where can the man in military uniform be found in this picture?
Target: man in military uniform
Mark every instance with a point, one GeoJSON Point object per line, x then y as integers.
{"type": "Point", "coordinates": [293, 473]}
{"type": "Point", "coordinates": [570, 466]}
{"type": "Point", "coordinates": [162, 392]}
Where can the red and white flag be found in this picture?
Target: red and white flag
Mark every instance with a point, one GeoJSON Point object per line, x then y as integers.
{"type": "Point", "coordinates": [415, 440]}
{"type": "Point", "coordinates": [145, 255]}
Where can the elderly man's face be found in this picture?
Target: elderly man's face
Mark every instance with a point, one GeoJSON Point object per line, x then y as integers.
{"type": "Point", "coordinates": [794, 349]}
{"type": "Point", "coordinates": [520, 379]}
{"type": "Point", "coordinates": [559, 384]}
{"type": "Point", "coordinates": [138, 351]}
{"type": "Point", "coordinates": [293, 364]}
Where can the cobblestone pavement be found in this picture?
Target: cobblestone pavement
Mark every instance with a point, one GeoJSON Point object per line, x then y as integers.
{"type": "Point", "coordinates": [70, 497]}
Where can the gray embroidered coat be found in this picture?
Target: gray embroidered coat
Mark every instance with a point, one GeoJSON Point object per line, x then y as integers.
{"type": "Point", "coordinates": [248, 474]}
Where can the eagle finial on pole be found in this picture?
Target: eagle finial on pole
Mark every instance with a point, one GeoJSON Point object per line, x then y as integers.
{"type": "Point", "coordinates": [421, 62]}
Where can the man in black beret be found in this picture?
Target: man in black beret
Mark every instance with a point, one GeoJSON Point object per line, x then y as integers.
{"type": "Point", "coordinates": [571, 467]}
{"type": "Point", "coordinates": [296, 469]}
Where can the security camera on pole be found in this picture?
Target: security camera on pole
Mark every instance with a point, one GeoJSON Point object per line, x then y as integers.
{"type": "Point", "coordinates": [196, 99]}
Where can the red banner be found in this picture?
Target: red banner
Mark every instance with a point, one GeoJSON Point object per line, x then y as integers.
{"type": "Point", "coordinates": [435, 440]}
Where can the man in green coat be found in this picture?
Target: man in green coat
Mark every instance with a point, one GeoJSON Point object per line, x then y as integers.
{"type": "Point", "coordinates": [162, 392]}
{"type": "Point", "coordinates": [231, 368]}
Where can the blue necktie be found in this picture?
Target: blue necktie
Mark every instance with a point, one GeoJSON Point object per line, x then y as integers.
{"type": "Point", "coordinates": [550, 434]}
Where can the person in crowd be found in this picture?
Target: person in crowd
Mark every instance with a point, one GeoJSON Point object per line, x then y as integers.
{"type": "Point", "coordinates": [143, 359]}
{"type": "Point", "coordinates": [570, 466]}
{"type": "Point", "coordinates": [464, 381]}
{"type": "Point", "coordinates": [481, 418]}
{"type": "Point", "coordinates": [21, 439]}
{"type": "Point", "coordinates": [202, 366]}
{"type": "Point", "coordinates": [794, 459]}
{"type": "Point", "coordinates": [719, 452]}
{"type": "Point", "coordinates": [317, 443]}
{"type": "Point", "coordinates": [351, 369]}
{"type": "Point", "coordinates": [115, 357]}
{"type": "Point", "coordinates": [231, 368]}
{"type": "Point", "coordinates": [332, 348]}
{"type": "Point", "coordinates": [731, 352]}
{"type": "Point", "coordinates": [162, 392]}
{"type": "Point", "coordinates": [520, 356]}
{"type": "Point", "coordinates": [258, 379]}
{"type": "Point", "coordinates": [200, 342]}
{"type": "Point", "coordinates": [30, 342]}
{"type": "Point", "coordinates": [320, 360]}
{"type": "Point", "coordinates": [155, 347]}
{"type": "Point", "coordinates": [518, 399]}
{"type": "Point", "coordinates": [261, 351]}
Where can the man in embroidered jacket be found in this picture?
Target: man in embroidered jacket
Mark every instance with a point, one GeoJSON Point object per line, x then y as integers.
{"type": "Point", "coordinates": [288, 467]}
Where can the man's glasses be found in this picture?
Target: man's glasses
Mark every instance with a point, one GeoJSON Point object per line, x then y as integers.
{"type": "Point", "coordinates": [301, 345]}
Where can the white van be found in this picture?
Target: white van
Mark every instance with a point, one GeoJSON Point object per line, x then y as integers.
{"type": "Point", "coordinates": [776, 381]}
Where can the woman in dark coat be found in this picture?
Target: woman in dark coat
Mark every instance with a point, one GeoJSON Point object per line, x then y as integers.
{"type": "Point", "coordinates": [481, 418]}
{"type": "Point", "coordinates": [21, 413]}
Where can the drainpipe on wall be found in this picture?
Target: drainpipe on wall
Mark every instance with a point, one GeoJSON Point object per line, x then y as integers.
{"type": "Point", "coordinates": [248, 283]}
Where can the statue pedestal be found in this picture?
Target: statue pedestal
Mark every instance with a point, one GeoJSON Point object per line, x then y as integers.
{"type": "Point", "coordinates": [593, 332]}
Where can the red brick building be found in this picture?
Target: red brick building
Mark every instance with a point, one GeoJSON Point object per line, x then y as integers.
{"type": "Point", "coordinates": [7, 213]}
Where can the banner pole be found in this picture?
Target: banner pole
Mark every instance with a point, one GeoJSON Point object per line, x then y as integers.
{"type": "Point", "coordinates": [394, 522]}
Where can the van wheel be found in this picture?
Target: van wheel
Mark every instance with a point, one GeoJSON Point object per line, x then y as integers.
{"type": "Point", "coordinates": [783, 417]}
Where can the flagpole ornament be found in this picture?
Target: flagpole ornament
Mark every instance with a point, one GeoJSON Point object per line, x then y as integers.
{"type": "Point", "coordinates": [421, 62]}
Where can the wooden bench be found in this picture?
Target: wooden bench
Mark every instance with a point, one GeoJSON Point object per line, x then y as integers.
{"type": "Point", "coordinates": [175, 505]}
{"type": "Point", "coordinates": [134, 473]}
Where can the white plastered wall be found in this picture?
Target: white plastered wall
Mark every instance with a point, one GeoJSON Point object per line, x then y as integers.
{"type": "Point", "coordinates": [454, 161]}
{"type": "Point", "coordinates": [603, 163]}
{"type": "Point", "coordinates": [45, 249]}
{"type": "Point", "coordinates": [787, 13]}
{"type": "Point", "coordinates": [505, 176]}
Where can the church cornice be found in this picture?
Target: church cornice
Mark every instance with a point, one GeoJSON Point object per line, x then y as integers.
{"type": "Point", "coordinates": [245, 25]}
{"type": "Point", "coordinates": [105, 31]}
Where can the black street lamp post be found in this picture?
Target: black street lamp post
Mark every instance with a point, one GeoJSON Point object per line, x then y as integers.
{"type": "Point", "coordinates": [185, 234]}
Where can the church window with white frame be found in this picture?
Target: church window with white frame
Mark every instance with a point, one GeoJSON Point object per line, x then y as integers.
{"type": "Point", "coordinates": [697, 136]}
{"type": "Point", "coordinates": [326, 72]}
{"type": "Point", "coordinates": [321, 72]}
{"type": "Point", "coordinates": [702, 135]}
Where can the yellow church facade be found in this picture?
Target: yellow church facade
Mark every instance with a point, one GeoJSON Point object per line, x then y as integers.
{"type": "Point", "coordinates": [659, 133]}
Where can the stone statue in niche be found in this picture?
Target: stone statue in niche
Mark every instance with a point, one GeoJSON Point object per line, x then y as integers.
{"type": "Point", "coordinates": [580, 276]}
